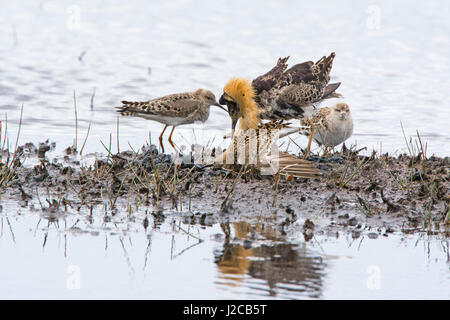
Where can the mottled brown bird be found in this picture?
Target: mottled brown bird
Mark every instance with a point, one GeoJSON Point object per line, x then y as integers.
{"type": "Point", "coordinates": [254, 142]}
{"type": "Point", "coordinates": [173, 110]}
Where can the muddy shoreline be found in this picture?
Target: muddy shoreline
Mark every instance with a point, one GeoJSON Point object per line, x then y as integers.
{"type": "Point", "coordinates": [363, 195]}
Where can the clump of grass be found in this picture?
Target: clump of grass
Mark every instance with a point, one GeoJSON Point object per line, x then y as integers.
{"type": "Point", "coordinates": [8, 165]}
{"type": "Point", "coordinates": [54, 203]}
{"type": "Point", "coordinates": [447, 218]}
{"type": "Point", "coordinates": [85, 139]}
{"type": "Point", "coordinates": [344, 180]}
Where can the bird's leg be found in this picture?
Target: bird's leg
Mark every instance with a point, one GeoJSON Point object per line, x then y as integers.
{"type": "Point", "coordinates": [308, 148]}
{"type": "Point", "coordinates": [170, 139]}
{"type": "Point", "coordinates": [160, 139]}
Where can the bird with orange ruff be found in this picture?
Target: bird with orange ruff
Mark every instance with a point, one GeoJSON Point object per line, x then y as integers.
{"type": "Point", "coordinates": [248, 113]}
{"type": "Point", "coordinates": [280, 94]}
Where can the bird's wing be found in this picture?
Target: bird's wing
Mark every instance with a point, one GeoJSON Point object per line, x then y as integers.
{"type": "Point", "coordinates": [301, 94]}
{"type": "Point", "coordinates": [301, 72]}
{"type": "Point", "coordinates": [175, 105]}
{"type": "Point", "coordinates": [270, 79]}
{"type": "Point", "coordinates": [320, 115]}
{"type": "Point", "coordinates": [318, 120]}
{"type": "Point", "coordinates": [309, 71]}
{"type": "Point", "coordinates": [323, 67]}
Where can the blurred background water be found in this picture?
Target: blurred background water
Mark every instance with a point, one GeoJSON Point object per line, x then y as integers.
{"type": "Point", "coordinates": [392, 59]}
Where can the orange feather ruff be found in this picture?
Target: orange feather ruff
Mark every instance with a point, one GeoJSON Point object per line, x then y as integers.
{"type": "Point", "coordinates": [241, 91]}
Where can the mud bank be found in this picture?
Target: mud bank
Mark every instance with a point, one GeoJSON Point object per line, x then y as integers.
{"type": "Point", "coordinates": [372, 195]}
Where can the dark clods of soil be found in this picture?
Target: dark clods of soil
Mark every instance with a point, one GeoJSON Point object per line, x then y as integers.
{"type": "Point", "coordinates": [375, 195]}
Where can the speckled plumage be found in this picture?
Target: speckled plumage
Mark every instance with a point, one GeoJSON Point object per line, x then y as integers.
{"type": "Point", "coordinates": [257, 147]}
{"type": "Point", "coordinates": [332, 125]}
{"type": "Point", "coordinates": [172, 110]}
{"type": "Point", "coordinates": [291, 94]}
{"type": "Point", "coordinates": [281, 94]}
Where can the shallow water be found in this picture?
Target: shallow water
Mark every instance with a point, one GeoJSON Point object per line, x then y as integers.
{"type": "Point", "coordinates": [392, 60]}
{"type": "Point", "coordinates": [73, 256]}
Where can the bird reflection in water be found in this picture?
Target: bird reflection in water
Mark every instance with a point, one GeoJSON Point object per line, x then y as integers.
{"type": "Point", "coordinates": [286, 268]}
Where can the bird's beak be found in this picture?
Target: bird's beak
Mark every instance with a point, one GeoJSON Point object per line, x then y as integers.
{"type": "Point", "coordinates": [233, 124]}
{"type": "Point", "coordinates": [218, 105]}
{"type": "Point", "coordinates": [227, 102]}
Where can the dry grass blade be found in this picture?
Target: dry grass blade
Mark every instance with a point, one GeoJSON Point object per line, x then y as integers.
{"type": "Point", "coordinates": [92, 99]}
{"type": "Point", "coordinates": [85, 139]}
{"type": "Point", "coordinates": [118, 147]}
{"type": "Point", "coordinates": [226, 204]}
{"type": "Point", "coordinates": [447, 217]}
{"type": "Point", "coordinates": [406, 141]}
{"type": "Point", "coordinates": [75, 144]}
{"type": "Point", "coordinates": [343, 184]}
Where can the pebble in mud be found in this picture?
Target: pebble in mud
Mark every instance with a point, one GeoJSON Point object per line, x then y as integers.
{"type": "Point", "coordinates": [356, 234]}
{"type": "Point", "coordinates": [418, 176]}
{"type": "Point", "coordinates": [219, 237]}
{"type": "Point", "coordinates": [43, 148]}
{"type": "Point", "coordinates": [373, 235]}
{"type": "Point", "coordinates": [344, 216]}
{"type": "Point", "coordinates": [333, 158]}
{"type": "Point", "coordinates": [308, 228]}
{"type": "Point", "coordinates": [352, 222]}
{"type": "Point", "coordinates": [28, 147]}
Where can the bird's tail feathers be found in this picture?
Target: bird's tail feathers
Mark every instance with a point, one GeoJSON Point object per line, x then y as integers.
{"type": "Point", "coordinates": [130, 108]}
{"type": "Point", "coordinates": [293, 167]}
{"type": "Point", "coordinates": [330, 91]}
{"type": "Point", "coordinates": [325, 64]}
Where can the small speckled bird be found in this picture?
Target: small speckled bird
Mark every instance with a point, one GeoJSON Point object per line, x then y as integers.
{"type": "Point", "coordinates": [330, 126]}
{"type": "Point", "coordinates": [282, 94]}
{"type": "Point", "coordinates": [173, 110]}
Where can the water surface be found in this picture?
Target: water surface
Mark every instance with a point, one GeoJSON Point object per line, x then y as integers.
{"type": "Point", "coordinates": [392, 59]}
{"type": "Point", "coordinates": [392, 67]}
{"type": "Point", "coordinates": [78, 256]}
